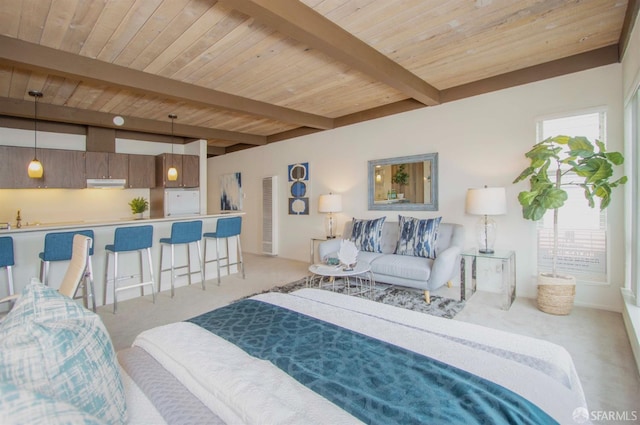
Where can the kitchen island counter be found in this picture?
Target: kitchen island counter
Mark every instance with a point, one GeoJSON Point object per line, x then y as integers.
{"type": "Point", "coordinates": [28, 242]}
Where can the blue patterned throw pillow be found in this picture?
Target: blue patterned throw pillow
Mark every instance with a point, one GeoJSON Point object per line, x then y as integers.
{"type": "Point", "coordinates": [20, 406]}
{"type": "Point", "coordinates": [52, 346]}
{"type": "Point", "coordinates": [418, 237]}
{"type": "Point", "coordinates": [366, 234]}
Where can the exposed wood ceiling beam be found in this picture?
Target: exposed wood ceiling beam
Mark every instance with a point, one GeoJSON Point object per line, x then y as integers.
{"type": "Point", "coordinates": [215, 151]}
{"type": "Point", "coordinates": [48, 112]}
{"type": "Point", "coordinates": [379, 112]}
{"type": "Point", "coordinates": [291, 134]}
{"type": "Point", "coordinates": [583, 61]}
{"type": "Point", "coordinates": [304, 24]}
{"type": "Point", "coordinates": [44, 59]}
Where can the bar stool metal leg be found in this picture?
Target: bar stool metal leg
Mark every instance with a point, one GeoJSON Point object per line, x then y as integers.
{"type": "Point", "coordinates": [129, 240]}
{"type": "Point", "coordinates": [183, 233]}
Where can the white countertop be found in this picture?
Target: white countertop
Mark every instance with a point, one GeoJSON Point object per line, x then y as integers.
{"type": "Point", "coordinates": [80, 224]}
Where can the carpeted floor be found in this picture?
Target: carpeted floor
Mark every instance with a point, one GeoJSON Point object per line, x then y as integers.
{"type": "Point", "coordinates": [412, 299]}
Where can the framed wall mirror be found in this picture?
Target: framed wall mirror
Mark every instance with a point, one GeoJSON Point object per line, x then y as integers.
{"type": "Point", "coordinates": [407, 183]}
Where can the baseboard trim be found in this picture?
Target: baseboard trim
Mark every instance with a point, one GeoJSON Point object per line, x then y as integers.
{"type": "Point", "coordinates": [631, 317]}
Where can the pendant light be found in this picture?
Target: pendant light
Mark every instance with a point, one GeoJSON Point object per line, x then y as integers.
{"type": "Point", "coordinates": [172, 173]}
{"type": "Point", "coordinates": [35, 169]}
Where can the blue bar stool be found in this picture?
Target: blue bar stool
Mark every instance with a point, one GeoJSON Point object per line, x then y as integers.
{"type": "Point", "coordinates": [182, 232]}
{"type": "Point", "coordinates": [6, 260]}
{"type": "Point", "coordinates": [225, 228]}
{"type": "Point", "coordinates": [59, 247]}
{"type": "Point", "coordinates": [127, 240]}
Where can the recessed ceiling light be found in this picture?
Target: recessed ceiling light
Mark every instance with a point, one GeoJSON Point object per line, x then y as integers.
{"type": "Point", "coordinates": [118, 120]}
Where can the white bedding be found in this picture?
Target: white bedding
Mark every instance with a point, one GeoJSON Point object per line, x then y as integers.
{"type": "Point", "coordinates": [240, 388]}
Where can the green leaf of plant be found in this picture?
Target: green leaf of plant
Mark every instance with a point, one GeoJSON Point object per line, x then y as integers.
{"type": "Point", "coordinates": [533, 212]}
{"type": "Point", "coordinates": [604, 202]}
{"type": "Point", "coordinates": [621, 180]}
{"type": "Point", "coordinates": [525, 173]}
{"type": "Point", "coordinates": [601, 170]}
{"type": "Point", "coordinates": [561, 140]}
{"type": "Point", "coordinates": [589, 196]}
{"type": "Point", "coordinates": [580, 147]}
{"type": "Point", "coordinates": [541, 153]}
{"type": "Point", "coordinates": [615, 157]}
{"type": "Point", "coordinates": [553, 198]}
{"type": "Point", "coordinates": [526, 198]}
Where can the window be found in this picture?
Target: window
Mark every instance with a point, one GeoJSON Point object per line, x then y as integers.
{"type": "Point", "coordinates": [632, 154]}
{"type": "Point", "coordinates": [582, 243]}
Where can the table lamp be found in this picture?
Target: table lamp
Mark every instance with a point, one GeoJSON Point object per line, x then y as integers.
{"type": "Point", "coordinates": [330, 204]}
{"type": "Point", "coordinates": [485, 202]}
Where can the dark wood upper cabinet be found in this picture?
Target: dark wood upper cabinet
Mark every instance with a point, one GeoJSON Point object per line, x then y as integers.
{"type": "Point", "coordinates": [188, 167]}
{"type": "Point", "coordinates": [190, 171]}
{"type": "Point", "coordinates": [70, 169]}
{"type": "Point", "coordinates": [142, 171]}
{"type": "Point", "coordinates": [106, 165]}
{"type": "Point", "coordinates": [62, 168]}
{"type": "Point", "coordinates": [13, 167]}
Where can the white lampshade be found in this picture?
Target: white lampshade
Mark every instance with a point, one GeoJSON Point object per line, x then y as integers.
{"type": "Point", "coordinates": [330, 203]}
{"type": "Point", "coordinates": [486, 201]}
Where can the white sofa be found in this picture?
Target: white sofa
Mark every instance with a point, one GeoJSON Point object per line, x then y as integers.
{"type": "Point", "coordinates": [404, 270]}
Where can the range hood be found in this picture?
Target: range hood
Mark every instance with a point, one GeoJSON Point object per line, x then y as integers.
{"type": "Point", "coordinates": [106, 183]}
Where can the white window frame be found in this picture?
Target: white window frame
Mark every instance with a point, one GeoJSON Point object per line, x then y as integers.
{"type": "Point", "coordinates": [632, 192]}
{"type": "Point", "coordinates": [593, 266]}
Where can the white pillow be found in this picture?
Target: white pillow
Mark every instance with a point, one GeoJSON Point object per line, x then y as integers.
{"type": "Point", "coordinates": [52, 346]}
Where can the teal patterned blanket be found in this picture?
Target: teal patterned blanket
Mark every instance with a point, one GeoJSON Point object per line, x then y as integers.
{"type": "Point", "coordinates": [375, 381]}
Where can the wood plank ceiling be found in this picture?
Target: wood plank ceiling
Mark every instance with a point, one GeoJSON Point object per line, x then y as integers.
{"type": "Point", "coordinates": [243, 73]}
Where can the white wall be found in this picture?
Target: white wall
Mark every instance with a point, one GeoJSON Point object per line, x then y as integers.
{"type": "Point", "coordinates": [480, 140]}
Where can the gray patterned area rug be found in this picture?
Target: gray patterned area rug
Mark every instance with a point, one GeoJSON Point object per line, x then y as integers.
{"type": "Point", "coordinates": [411, 299]}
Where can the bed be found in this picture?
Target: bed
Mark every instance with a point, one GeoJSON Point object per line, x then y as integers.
{"type": "Point", "coordinates": [321, 357]}
{"type": "Point", "coordinates": [308, 357]}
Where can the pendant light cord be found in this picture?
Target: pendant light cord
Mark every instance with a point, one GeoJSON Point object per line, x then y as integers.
{"type": "Point", "coordinates": [36, 94]}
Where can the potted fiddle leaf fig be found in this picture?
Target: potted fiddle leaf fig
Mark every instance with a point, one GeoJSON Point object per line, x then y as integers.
{"type": "Point", "coordinates": [577, 162]}
{"type": "Point", "coordinates": [139, 205]}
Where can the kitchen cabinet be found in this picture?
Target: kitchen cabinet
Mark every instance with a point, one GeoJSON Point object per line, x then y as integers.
{"type": "Point", "coordinates": [62, 168]}
{"type": "Point", "coordinates": [188, 167]}
{"type": "Point", "coordinates": [142, 171]}
{"type": "Point", "coordinates": [190, 171]}
{"type": "Point", "coordinates": [13, 166]}
{"type": "Point", "coordinates": [107, 165]}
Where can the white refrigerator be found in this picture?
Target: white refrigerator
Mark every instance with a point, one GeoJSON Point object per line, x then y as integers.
{"type": "Point", "coordinates": [179, 202]}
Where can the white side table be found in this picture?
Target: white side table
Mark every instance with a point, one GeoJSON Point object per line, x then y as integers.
{"type": "Point", "coordinates": [360, 275]}
{"type": "Point", "coordinates": [508, 263]}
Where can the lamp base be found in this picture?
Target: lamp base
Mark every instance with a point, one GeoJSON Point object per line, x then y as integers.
{"type": "Point", "coordinates": [486, 234]}
{"type": "Point", "coordinates": [330, 226]}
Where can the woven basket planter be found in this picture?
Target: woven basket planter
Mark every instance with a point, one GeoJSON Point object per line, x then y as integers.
{"type": "Point", "coordinates": [556, 294]}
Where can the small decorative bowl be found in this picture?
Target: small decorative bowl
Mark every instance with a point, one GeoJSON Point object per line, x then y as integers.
{"type": "Point", "coordinates": [349, 267]}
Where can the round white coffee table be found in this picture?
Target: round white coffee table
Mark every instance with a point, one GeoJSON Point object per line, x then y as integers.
{"type": "Point", "coordinates": [360, 277]}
